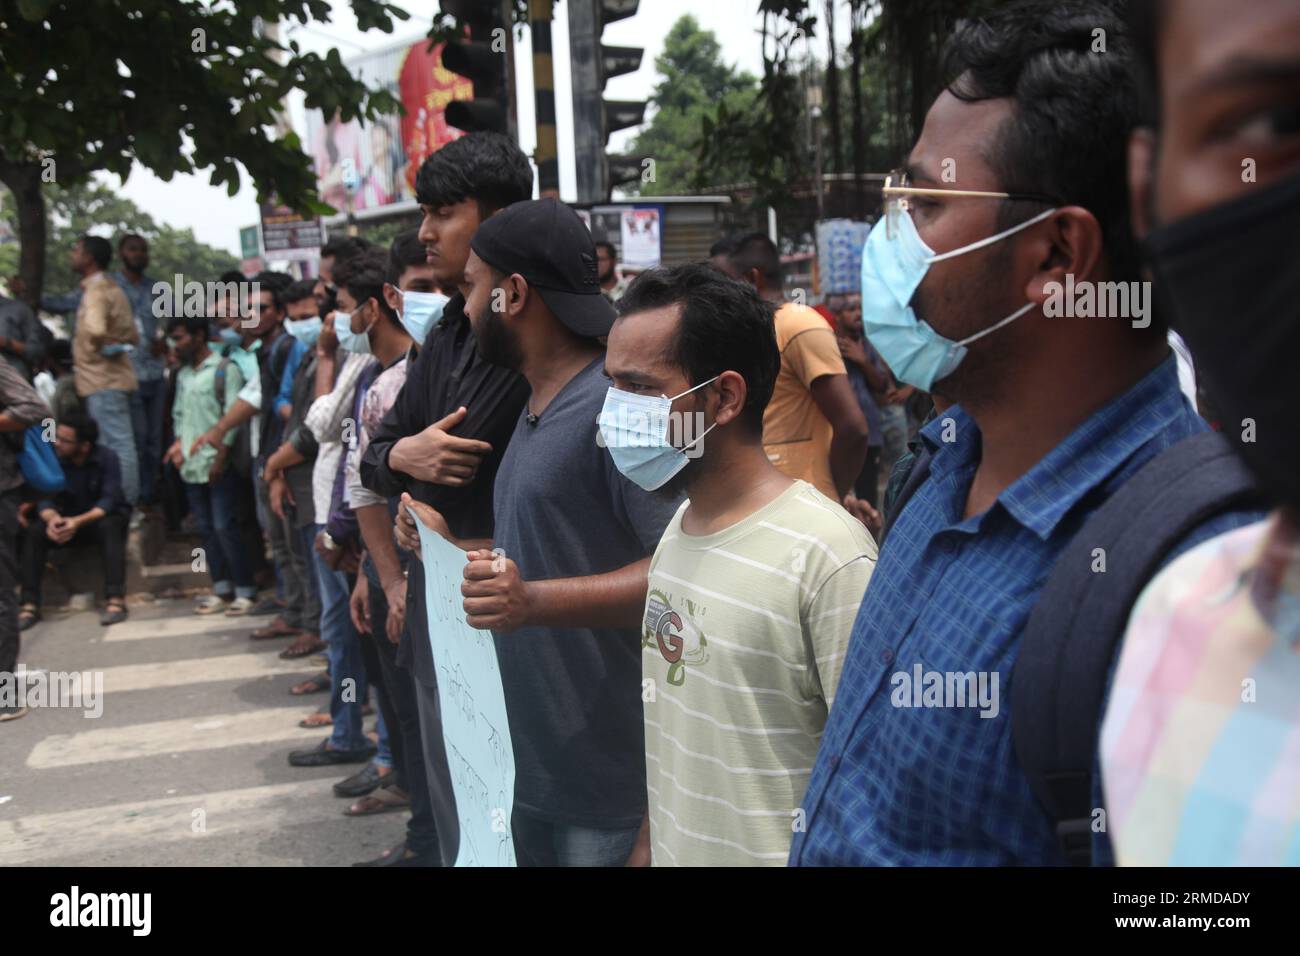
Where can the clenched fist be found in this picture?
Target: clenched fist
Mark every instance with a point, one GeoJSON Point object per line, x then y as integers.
{"type": "Point", "coordinates": [496, 597]}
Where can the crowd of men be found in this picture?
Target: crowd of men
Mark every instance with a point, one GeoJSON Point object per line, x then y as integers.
{"type": "Point", "coordinates": [762, 584]}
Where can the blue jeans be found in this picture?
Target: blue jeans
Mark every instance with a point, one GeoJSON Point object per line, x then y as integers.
{"type": "Point", "coordinates": [147, 423]}
{"type": "Point", "coordinates": [111, 410]}
{"type": "Point", "coordinates": [384, 756]}
{"type": "Point", "coordinates": [343, 649]}
{"type": "Point", "coordinates": [541, 843]}
{"type": "Point", "coordinates": [213, 507]}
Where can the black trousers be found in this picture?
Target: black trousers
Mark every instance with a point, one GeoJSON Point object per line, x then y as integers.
{"type": "Point", "coordinates": [402, 717]}
{"type": "Point", "coordinates": [108, 534]}
{"type": "Point", "coordinates": [251, 541]}
{"type": "Point", "coordinates": [867, 486]}
{"type": "Point", "coordinates": [8, 581]}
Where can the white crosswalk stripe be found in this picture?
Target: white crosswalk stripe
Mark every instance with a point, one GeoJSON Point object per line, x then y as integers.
{"type": "Point", "coordinates": [168, 736]}
{"type": "Point", "coordinates": [150, 628]}
{"type": "Point", "coordinates": [198, 671]}
{"type": "Point", "coordinates": [207, 730]}
{"type": "Point", "coordinates": [119, 826]}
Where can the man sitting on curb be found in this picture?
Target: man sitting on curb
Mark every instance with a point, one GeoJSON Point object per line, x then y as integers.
{"type": "Point", "coordinates": [91, 509]}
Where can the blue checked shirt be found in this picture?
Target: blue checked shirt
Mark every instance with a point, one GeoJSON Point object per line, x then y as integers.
{"type": "Point", "coordinates": [148, 366]}
{"type": "Point", "coordinates": [896, 785]}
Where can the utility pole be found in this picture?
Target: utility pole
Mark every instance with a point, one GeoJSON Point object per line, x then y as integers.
{"type": "Point", "coordinates": [546, 155]}
{"type": "Point", "coordinates": [588, 107]}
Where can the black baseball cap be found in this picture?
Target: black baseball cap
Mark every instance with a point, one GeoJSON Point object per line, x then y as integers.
{"type": "Point", "coordinates": [544, 241]}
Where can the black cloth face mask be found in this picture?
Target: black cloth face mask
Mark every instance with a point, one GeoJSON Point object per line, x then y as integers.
{"type": "Point", "coordinates": [1230, 279]}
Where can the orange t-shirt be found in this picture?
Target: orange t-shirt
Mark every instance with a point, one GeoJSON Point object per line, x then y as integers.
{"type": "Point", "coordinates": [796, 435]}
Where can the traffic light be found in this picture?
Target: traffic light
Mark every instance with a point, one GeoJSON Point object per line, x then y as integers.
{"type": "Point", "coordinates": [482, 59]}
{"type": "Point", "coordinates": [594, 118]}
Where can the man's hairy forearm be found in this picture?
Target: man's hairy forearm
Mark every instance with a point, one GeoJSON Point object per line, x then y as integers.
{"type": "Point", "coordinates": [613, 599]}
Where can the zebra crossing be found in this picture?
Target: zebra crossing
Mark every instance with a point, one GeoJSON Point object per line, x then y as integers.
{"type": "Point", "coordinates": [186, 762]}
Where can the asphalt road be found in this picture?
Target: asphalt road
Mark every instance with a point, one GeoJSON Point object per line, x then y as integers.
{"type": "Point", "coordinates": [186, 764]}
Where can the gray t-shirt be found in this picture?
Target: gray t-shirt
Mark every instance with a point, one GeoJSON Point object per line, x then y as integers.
{"type": "Point", "coordinates": [574, 694]}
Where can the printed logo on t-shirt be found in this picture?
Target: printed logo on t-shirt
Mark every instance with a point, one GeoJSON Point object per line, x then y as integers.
{"type": "Point", "coordinates": [678, 640]}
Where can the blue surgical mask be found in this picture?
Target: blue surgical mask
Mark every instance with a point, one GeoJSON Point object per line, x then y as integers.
{"type": "Point", "coordinates": [635, 430]}
{"type": "Point", "coordinates": [420, 312]}
{"type": "Point", "coordinates": [229, 336]}
{"type": "Point", "coordinates": [306, 331]}
{"type": "Point", "coordinates": [349, 341]}
{"type": "Point", "coordinates": [892, 269]}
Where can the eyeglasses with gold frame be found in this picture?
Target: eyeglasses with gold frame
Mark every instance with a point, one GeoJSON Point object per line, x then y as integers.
{"type": "Point", "coordinates": [898, 188]}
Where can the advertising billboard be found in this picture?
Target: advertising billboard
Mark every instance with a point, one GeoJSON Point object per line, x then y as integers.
{"type": "Point", "coordinates": [364, 165]}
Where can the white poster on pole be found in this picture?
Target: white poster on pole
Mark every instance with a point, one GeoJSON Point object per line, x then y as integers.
{"type": "Point", "coordinates": [641, 236]}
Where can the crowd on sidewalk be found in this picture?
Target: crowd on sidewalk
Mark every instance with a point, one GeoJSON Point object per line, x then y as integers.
{"type": "Point", "coordinates": [934, 575]}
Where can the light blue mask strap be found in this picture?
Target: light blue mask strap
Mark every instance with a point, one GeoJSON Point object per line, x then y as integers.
{"type": "Point", "coordinates": [991, 239]}
{"type": "Point", "coordinates": [997, 325]}
{"type": "Point", "coordinates": [689, 390]}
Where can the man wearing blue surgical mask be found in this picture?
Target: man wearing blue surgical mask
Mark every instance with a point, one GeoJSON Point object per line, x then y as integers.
{"type": "Point", "coordinates": [753, 587]}
{"type": "Point", "coordinates": [1014, 191]}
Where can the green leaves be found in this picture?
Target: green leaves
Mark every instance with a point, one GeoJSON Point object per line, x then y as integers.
{"type": "Point", "coordinates": [694, 81]}
{"type": "Point", "coordinates": [163, 72]}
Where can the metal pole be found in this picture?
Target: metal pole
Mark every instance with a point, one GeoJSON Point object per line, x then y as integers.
{"type": "Point", "coordinates": [546, 155]}
{"type": "Point", "coordinates": [512, 108]}
{"type": "Point", "coordinates": [588, 104]}
{"type": "Point", "coordinates": [816, 114]}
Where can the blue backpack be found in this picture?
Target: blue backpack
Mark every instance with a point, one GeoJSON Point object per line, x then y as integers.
{"type": "Point", "coordinates": [38, 463]}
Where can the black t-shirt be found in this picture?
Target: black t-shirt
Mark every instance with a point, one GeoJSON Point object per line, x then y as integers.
{"type": "Point", "coordinates": [447, 373]}
{"type": "Point", "coordinates": [573, 695]}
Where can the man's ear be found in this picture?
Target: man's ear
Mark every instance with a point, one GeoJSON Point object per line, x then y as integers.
{"type": "Point", "coordinates": [392, 297]}
{"type": "Point", "coordinates": [1072, 244]}
{"type": "Point", "coordinates": [732, 392]}
{"type": "Point", "coordinates": [517, 294]}
{"type": "Point", "coordinates": [1141, 180]}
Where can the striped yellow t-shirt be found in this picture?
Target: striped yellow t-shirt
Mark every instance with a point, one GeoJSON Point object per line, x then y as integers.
{"type": "Point", "coordinates": [744, 635]}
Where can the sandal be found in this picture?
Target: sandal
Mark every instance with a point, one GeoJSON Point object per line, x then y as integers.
{"type": "Point", "coordinates": [303, 645]}
{"type": "Point", "coordinates": [114, 612]}
{"type": "Point", "coordinates": [383, 800]}
{"type": "Point", "coordinates": [312, 685]}
{"type": "Point", "coordinates": [28, 615]}
{"type": "Point", "coordinates": [277, 628]}
{"type": "Point", "coordinates": [312, 721]}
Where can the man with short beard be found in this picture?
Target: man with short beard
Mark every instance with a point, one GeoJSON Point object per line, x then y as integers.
{"type": "Point", "coordinates": [148, 401]}
{"type": "Point", "coordinates": [612, 286]}
{"type": "Point", "coordinates": [573, 535]}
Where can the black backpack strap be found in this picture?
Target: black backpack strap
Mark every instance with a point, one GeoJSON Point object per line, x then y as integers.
{"type": "Point", "coordinates": [915, 478]}
{"type": "Point", "coordinates": [1065, 655]}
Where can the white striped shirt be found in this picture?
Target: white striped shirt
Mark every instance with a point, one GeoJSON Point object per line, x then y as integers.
{"type": "Point", "coordinates": [743, 639]}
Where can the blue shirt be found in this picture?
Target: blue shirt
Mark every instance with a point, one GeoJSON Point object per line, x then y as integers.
{"type": "Point", "coordinates": [148, 366]}
{"type": "Point", "coordinates": [908, 785]}
{"type": "Point", "coordinates": [867, 401]}
{"type": "Point", "coordinates": [285, 396]}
